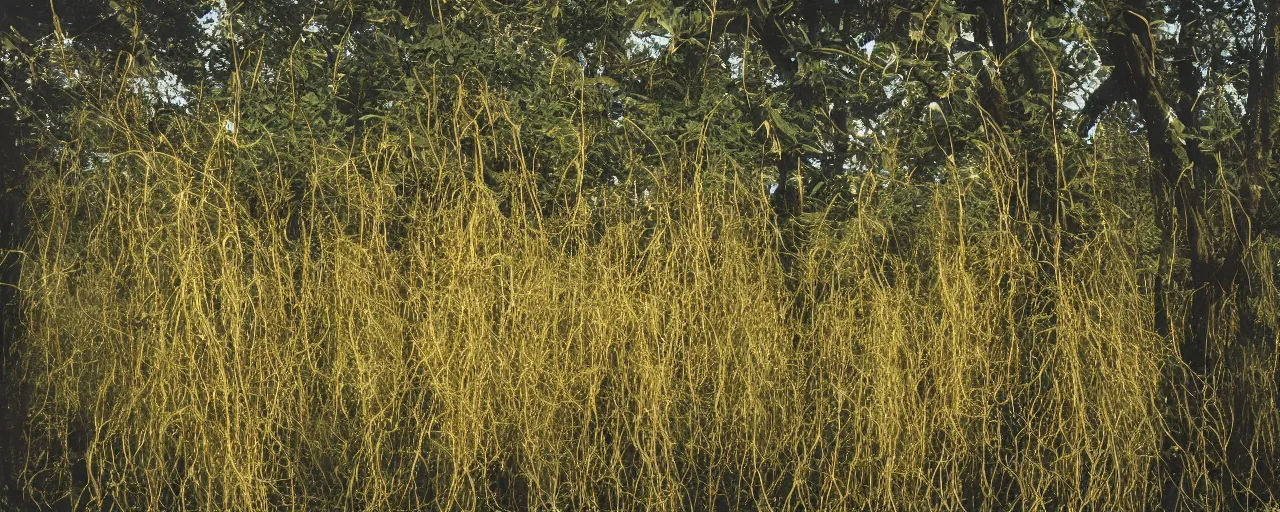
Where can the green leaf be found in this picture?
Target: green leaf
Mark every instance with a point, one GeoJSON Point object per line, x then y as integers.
{"type": "Point", "coordinates": [947, 32]}
{"type": "Point", "coordinates": [601, 80]}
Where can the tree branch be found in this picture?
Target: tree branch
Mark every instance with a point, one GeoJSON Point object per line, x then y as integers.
{"type": "Point", "coordinates": [1111, 91]}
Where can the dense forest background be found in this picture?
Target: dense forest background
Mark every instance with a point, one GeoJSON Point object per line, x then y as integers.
{"type": "Point", "coordinates": [639, 254]}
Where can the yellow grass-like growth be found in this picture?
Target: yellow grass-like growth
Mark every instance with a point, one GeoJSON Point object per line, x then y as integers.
{"type": "Point", "coordinates": [374, 328]}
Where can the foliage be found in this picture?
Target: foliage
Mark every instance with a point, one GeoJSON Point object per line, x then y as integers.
{"type": "Point", "coordinates": [648, 254]}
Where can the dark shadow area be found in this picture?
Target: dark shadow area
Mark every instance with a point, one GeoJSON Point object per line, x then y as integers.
{"type": "Point", "coordinates": [13, 222]}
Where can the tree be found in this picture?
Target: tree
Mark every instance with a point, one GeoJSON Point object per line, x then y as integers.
{"type": "Point", "coordinates": [1033, 132]}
